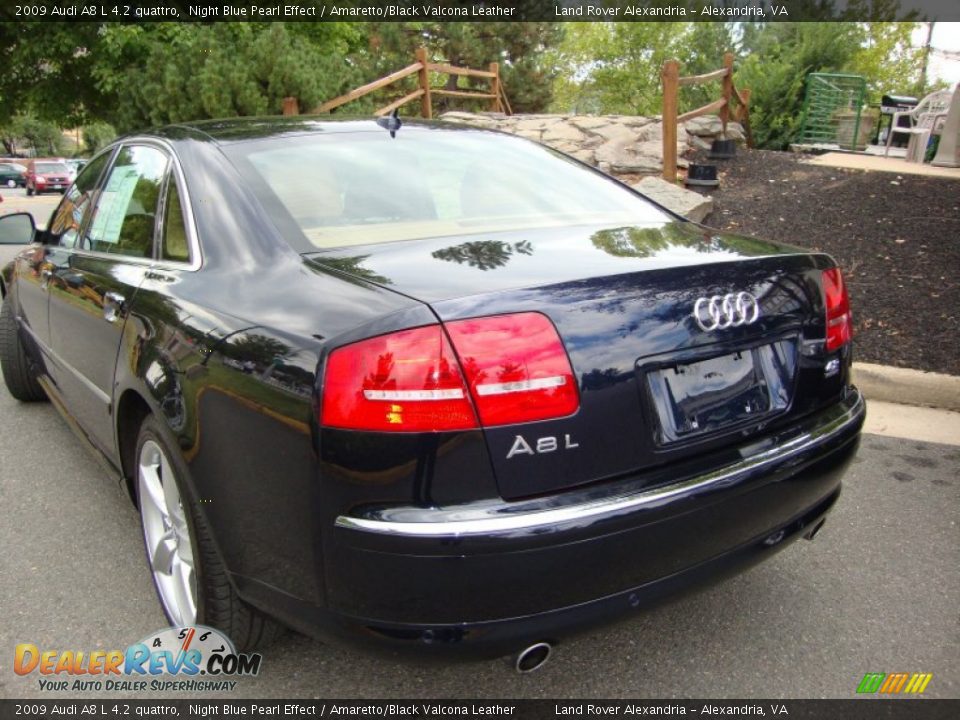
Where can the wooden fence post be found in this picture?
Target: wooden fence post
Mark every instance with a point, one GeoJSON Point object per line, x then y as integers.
{"type": "Point", "coordinates": [426, 105]}
{"type": "Point", "coordinates": [727, 92]}
{"type": "Point", "coordinates": [495, 104]}
{"type": "Point", "coordinates": [742, 108]}
{"type": "Point", "coordinates": [290, 106]}
{"type": "Point", "coordinates": [670, 75]}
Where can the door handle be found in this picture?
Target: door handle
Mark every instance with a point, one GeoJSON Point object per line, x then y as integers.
{"type": "Point", "coordinates": [112, 305]}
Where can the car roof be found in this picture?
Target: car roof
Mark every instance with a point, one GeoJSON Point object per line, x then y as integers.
{"type": "Point", "coordinates": [254, 128]}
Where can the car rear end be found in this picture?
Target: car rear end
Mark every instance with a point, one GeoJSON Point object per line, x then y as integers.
{"type": "Point", "coordinates": [581, 460]}
{"type": "Point", "coordinates": [598, 414]}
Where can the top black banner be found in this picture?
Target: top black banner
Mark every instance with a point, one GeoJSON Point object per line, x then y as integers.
{"type": "Point", "coordinates": [137, 11]}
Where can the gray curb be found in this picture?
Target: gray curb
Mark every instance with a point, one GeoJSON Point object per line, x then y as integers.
{"type": "Point", "coordinates": [907, 387]}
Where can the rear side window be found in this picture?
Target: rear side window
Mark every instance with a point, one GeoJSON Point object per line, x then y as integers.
{"type": "Point", "coordinates": [76, 204]}
{"type": "Point", "coordinates": [173, 242]}
{"type": "Point", "coordinates": [125, 217]}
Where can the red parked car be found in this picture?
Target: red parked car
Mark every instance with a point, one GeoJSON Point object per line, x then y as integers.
{"type": "Point", "coordinates": [47, 176]}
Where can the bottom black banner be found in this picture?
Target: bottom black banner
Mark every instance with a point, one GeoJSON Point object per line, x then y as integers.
{"type": "Point", "coordinates": [858, 709]}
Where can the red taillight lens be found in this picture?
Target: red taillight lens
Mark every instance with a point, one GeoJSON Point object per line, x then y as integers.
{"type": "Point", "coordinates": [406, 381]}
{"type": "Point", "coordinates": [516, 368]}
{"type": "Point", "coordinates": [839, 320]}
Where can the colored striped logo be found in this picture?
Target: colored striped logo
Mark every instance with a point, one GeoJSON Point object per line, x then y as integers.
{"type": "Point", "coordinates": [895, 683]}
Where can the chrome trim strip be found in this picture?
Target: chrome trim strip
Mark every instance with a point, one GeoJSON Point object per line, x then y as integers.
{"type": "Point", "coordinates": [491, 520]}
{"type": "Point", "coordinates": [46, 350]}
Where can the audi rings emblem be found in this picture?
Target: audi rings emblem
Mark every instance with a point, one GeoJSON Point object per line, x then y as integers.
{"type": "Point", "coordinates": [724, 311]}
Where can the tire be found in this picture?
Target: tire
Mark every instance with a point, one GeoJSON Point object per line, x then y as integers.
{"type": "Point", "coordinates": [17, 372]}
{"type": "Point", "coordinates": [187, 572]}
{"type": "Point", "coordinates": [11, 183]}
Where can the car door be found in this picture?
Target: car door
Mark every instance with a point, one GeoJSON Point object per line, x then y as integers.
{"type": "Point", "coordinates": [36, 267]}
{"type": "Point", "coordinates": [94, 283]}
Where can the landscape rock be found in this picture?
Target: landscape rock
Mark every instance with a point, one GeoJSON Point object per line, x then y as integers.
{"type": "Point", "coordinates": [689, 204]}
{"type": "Point", "coordinates": [735, 132]}
{"type": "Point", "coordinates": [584, 154]}
{"type": "Point", "coordinates": [698, 143]}
{"type": "Point", "coordinates": [616, 132]}
{"type": "Point", "coordinates": [709, 128]}
{"type": "Point", "coordinates": [589, 122]}
{"type": "Point", "coordinates": [563, 132]}
{"type": "Point", "coordinates": [618, 144]}
{"type": "Point", "coordinates": [704, 126]}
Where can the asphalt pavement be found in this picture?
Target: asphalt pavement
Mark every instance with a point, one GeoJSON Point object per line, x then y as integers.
{"type": "Point", "coordinates": [40, 206]}
{"type": "Point", "coordinates": [877, 591]}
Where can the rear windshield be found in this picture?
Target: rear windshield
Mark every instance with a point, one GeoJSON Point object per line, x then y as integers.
{"type": "Point", "coordinates": [357, 188]}
{"type": "Point", "coordinates": [50, 168]}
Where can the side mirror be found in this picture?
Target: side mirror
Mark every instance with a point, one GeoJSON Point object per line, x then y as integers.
{"type": "Point", "coordinates": [17, 229]}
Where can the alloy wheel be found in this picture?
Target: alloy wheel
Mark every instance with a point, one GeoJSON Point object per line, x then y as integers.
{"type": "Point", "coordinates": [166, 535]}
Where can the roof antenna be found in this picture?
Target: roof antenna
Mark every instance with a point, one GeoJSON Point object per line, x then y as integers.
{"type": "Point", "coordinates": [392, 122]}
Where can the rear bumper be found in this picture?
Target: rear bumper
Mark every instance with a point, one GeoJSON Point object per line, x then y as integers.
{"type": "Point", "coordinates": [507, 519]}
{"type": "Point", "coordinates": [497, 575]}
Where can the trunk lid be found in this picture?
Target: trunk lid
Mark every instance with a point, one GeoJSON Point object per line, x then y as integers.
{"type": "Point", "coordinates": [655, 384]}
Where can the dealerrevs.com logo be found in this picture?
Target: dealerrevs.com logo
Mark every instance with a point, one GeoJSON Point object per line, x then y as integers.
{"type": "Point", "coordinates": [187, 659]}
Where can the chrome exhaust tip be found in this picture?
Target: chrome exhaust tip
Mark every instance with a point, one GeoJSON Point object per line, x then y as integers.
{"type": "Point", "coordinates": [532, 658]}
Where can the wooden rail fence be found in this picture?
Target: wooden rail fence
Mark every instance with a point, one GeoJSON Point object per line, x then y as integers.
{"type": "Point", "coordinates": [496, 97]}
{"type": "Point", "coordinates": [672, 82]}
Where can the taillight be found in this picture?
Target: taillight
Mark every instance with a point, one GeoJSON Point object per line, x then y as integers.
{"type": "Point", "coordinates": [839, 320]}
{"type": "Point", "coordinates": [405, 381]}
{"type": "Point", "coordinates": [516, 368]}
{"type": "Point", "coordinates": [513, 367]}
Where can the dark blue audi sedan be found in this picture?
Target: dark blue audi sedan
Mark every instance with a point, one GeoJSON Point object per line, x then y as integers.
{"type": "Point", "coordinates": [432, 387]}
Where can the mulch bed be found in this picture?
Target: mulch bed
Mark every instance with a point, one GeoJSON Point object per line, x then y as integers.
{"type": "Point", "coordinates": [896, 237]}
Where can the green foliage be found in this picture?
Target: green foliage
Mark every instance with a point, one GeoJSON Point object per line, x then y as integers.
{"type": "Point", "coordinates": [162, 73]}
{"type": "Point", "coordinates": [138, 75]}
{"type": "Point", "coordinates": [525, 70]}
{"type": "Point", "coordinates": [615, 67]}
{"type": "Point", "coordinates": [28, 132]}
{"type": "Point", "coordinates": [96, 135]}
{"type": "Point", "coordinates": [46, 70]}
{"type": "Point", "coordinates": [887, 60]}
{"type": "Point", "coordinates": [783, 54]}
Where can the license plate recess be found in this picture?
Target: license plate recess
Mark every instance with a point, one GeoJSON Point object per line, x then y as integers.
{"type": "Point", "coordinates": [721, 393]}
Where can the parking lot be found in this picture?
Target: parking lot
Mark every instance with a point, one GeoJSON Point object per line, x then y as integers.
{"type": "Point", "coordinates": [40, 206]}
{"type": "Point", "coordinates": [877, 591]}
